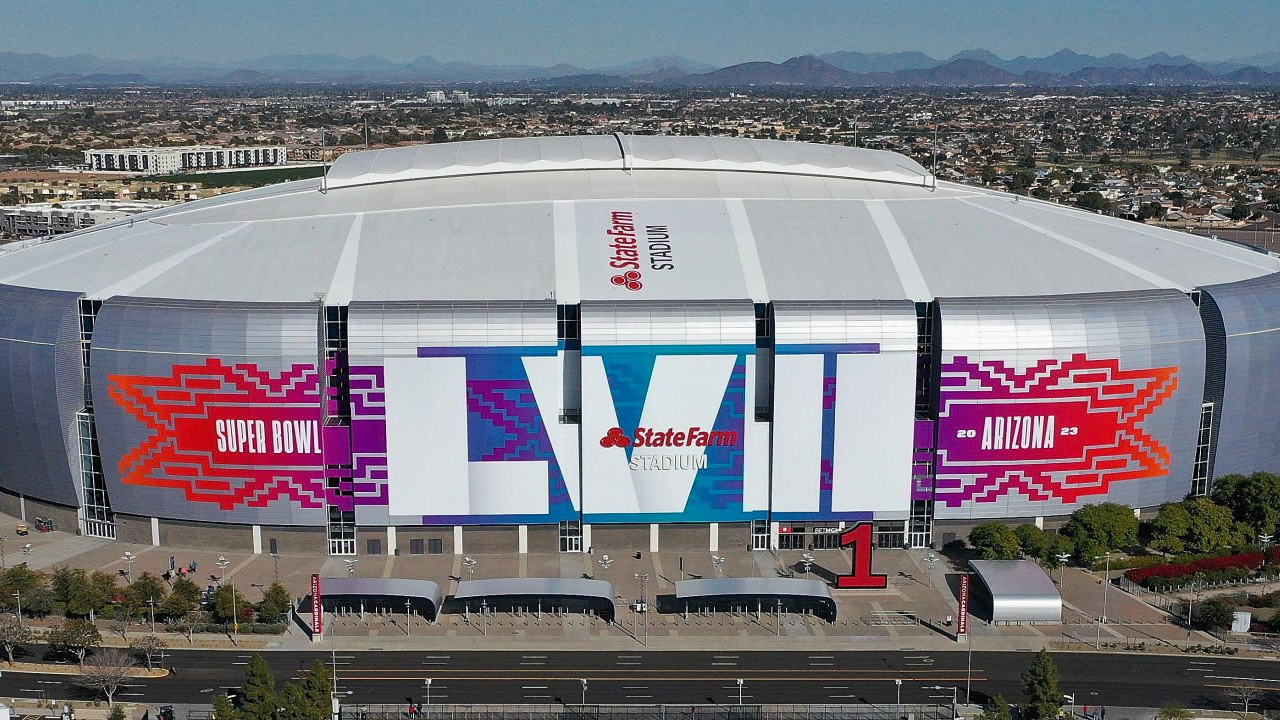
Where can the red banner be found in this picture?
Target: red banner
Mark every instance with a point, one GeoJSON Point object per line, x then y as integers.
{"type": "Point", "coordinates": [962, 618]}
{"type": "Point", "coordinates": [317, 608]}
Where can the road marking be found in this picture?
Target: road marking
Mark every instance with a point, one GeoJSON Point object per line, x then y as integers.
{"type": "Point", "coordinates": [49, 682]}
{"type": "Point", "coordinates": [813, 664]}
{"type": "Point", "coordinates": [727, 664]}
{"type": "Point", "coordinates": [822, 657]}
{"type": "Point", "coordinates": [844, 696]}
{"type": "Point", "coordinates": [532, 664]}
{"type": "Point", "coordinates": [835, 687]}
{"type": "Point", "coordinates": [635, 687]}
{"type": "Point", "coordinates": [533, 687]}
{"type": "Point", "coordinates": [534, 657]}
{"type": "Point", "coordinates": [538, 697]}
{"type": "Point", "coordinates": [129, 694]}
{"type": "Point", "coordinates": [725, 657]}
{"type": "Point", "coordinates": [1232, 677]}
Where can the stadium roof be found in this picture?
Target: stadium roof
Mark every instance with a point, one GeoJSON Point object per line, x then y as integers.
{"type": "Point", "coordinates": [528, 219]}
{"type": "Point", "coordinates": [1020, 591]}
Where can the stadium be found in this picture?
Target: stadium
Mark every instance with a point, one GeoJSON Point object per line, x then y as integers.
{"type": "Point", "coordinates": [554, 344]}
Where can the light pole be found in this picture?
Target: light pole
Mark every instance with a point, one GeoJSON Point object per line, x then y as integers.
{"type": "Point", "coordinates": [1106, 579]}
{"type": "Point", "coordinates": [644, 603]}
{"type": "Point", "coordinates": [18, 596]}
{"type": "Point", "coordinates": [898, 682]}
{"type": "Point", "coordinates": [605, 561]}
{"type": "Point", "coordinates": [1062, 569]}
{"type": "Point", "coordinates": [470, 562]}
{"type": "Point", "coordinates": [428, 681]}
{"type": "Point", "coordinates": [3, 539]}
{"type": "Point", "coordinates": [151, 611]}
{"type": "Point", "coordinates": [739, 691]}
{"type": "Point", "coordinates": [584, 691]}
{"type": "Point", "coordinates": [1264, 540]}
{"type": "Point", "coordinates": [717, 562]}
{"type": "Point", "coordinates": [1071, 699]}
{"type": "Point", "coordinates": [955, 691]}
{"type": "Point", "coordinates": [222, 564]}
{"type": "Point", "coordinates": [407, 606]}
{"type": "Point", "coordinates": [351, 566]}
{"type": "Point", "coordinates": [275, 570]}
{"type": "Point", "coordinates": [128, 559]}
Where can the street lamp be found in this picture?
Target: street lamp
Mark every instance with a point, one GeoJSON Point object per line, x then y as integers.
{"type": "Point", "coordinates": [128, 559]}
{"type": "Point", "coordinates": [955, 691]}
{"type": "Point", "coordinates": [584, 691]}
{"type": "Point", "coordinates": [18, 596]}
{"type": "Point", "coordinates": [643, 604]}
{"type": "Point", "coordinates": [605, 561]}
{"type": "Point", "coordinates": [739, 691]}
{"type": "Point", "coordinates": [717, 562]}
{"type": "Point", "coordinates": [351, 566]}
{"type": "Point", "coordinates": [428, 681]}
{"type": "Point", "coordinates": [3, 539]}
{"type": "Point", "coordinates": [898, 682]}
{"type": "Point", "coordinates": [222, 564]}
{"type": "Point", "coordinates": [1062, 559]}
{"type": "Point", "coordinates": [1071, 699]}
{"type": "Point", "coordinates": [151, 610]}
{"type": "Point", "coordinates": [1102, 619]}
{"type": "Point", "coordinates": [470, 562]}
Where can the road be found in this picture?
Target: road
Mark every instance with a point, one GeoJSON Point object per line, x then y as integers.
{"type": "Point", "coordinates": [639, 677]}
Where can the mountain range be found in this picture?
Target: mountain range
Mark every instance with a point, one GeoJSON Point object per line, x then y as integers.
{"type": "Point", "coordinates": [841, 69]}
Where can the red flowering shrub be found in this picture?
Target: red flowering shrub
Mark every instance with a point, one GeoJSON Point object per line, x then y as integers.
{"type": "Point", "coordinates": [1248, 562]}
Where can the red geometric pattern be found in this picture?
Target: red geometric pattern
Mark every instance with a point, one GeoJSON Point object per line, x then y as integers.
{"type": "Point", "coordinates": [274, 456]}
{"type": "Point", "coordinates": [1098, 439]}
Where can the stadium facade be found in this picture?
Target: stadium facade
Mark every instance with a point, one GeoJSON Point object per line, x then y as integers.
{"type": "Point", "coordinates": [617, 341]}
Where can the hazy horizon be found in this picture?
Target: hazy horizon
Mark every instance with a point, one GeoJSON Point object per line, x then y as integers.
{"type": "Point", "coordinates": [719, 33]}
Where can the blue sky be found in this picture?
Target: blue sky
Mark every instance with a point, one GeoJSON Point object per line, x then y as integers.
{"type": "Point", "coordinates": [594, 34]}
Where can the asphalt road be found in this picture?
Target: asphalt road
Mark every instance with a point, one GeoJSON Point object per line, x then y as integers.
{"type": "Point", "coordinates": [638, 677]}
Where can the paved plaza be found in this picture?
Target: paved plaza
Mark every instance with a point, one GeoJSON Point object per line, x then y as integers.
{"type": "Point", "coordinates": [913, 612]}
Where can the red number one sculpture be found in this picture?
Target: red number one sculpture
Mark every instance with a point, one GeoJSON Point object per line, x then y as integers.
{"type": "Point", "coordinates": [859, 538]}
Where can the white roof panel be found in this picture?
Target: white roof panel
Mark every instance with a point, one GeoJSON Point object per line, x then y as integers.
{"type": "Point", "coordinates": [747, 220]}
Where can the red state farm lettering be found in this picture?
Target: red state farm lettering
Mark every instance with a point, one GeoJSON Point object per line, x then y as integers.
{"type": "Point", "coordinates": [693, 437]}
{"type": "Point", "coordinates": [622, 236]}
{"type": "Point", "coordinates": [260, 437]}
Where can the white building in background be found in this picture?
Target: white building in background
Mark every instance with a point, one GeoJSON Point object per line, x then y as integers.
{"type": "Point", "coordinates": [43, 219]}
{"type": "Point", "coordinates": [164, 160]}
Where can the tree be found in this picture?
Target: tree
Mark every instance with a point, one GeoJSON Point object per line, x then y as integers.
{"type": "Point", "coordinates": [1095, 529]}
{"type": "Point", "coordinates": [1031, 539]}
{"type": "Point", "coordinates": [989, 174]}
{"type": "Point", "coordinates": [144, 589]}
{"type": "Point", "coordinates": [227, 602]}
{"type": "Point", "coordinates": [117, 713]}
{"type": "Point", "coordinates": [1240, 211]}
{"type": "Point", "coordinates": [223, 709]}
{"type": "Point", "coordinates": [997, 709]}
{"type": "Point", "coordinates": [1244, 692]}
{"type": "Point", "coordinates": [307, 698]}
{"type": "Point", "coordinates": [1174, 710]}
{"type": "Point", "coordinates": [1253, 500]}
{"type": "Point", "coordinates": [439, 135]}
{"type": "Point", "coordinates": [182, 599]}
{"type": "Point", "coordinates": [1197, 525]}
{"type": "Point", "coordinates": [1093, 200]}
{"type": "Point", "coordinates": [275, 604]}
{"type": "Point", "coordinates": [149, 647]}
{"type": "Point", "coordinates": [259, 700]}
{"type": "Point", "coordinates": [77, 637]}
{"type": "Point", "coordinates": [13, 634]}
{"type": "Point", "coordinates": [1040, 685]}
{"type": "Point", "coordinates": [106, 671]}
{"type": "Point", "coordinates": [994, 541]}
{"type": "Point", "coordinates": [1212, 614]}
{"type": "Point", "coordinates": [75, 588]}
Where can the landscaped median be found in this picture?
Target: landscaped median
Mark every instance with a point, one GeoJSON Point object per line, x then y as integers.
{"type": "Point", "coordinates": [74, 669]}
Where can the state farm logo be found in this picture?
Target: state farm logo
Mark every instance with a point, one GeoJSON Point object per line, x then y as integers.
{"type": "Point", "coordinates": [670, 437]}
{"type": "Point", "coordinates": [635, 249]}
{"type": "Point", "coordinates": [629, 279]}
{"type": "Point", "coordinates": [615, 438]}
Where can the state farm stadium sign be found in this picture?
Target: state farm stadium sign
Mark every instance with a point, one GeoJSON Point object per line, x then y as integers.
{"type": "Point", "coordinates": [694, 437]}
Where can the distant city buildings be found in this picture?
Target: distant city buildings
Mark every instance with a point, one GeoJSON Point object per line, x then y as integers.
{"type": "Point", "coordinates": [43, 219]}
{"type": "Point", "coordinates": [194, 158]}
